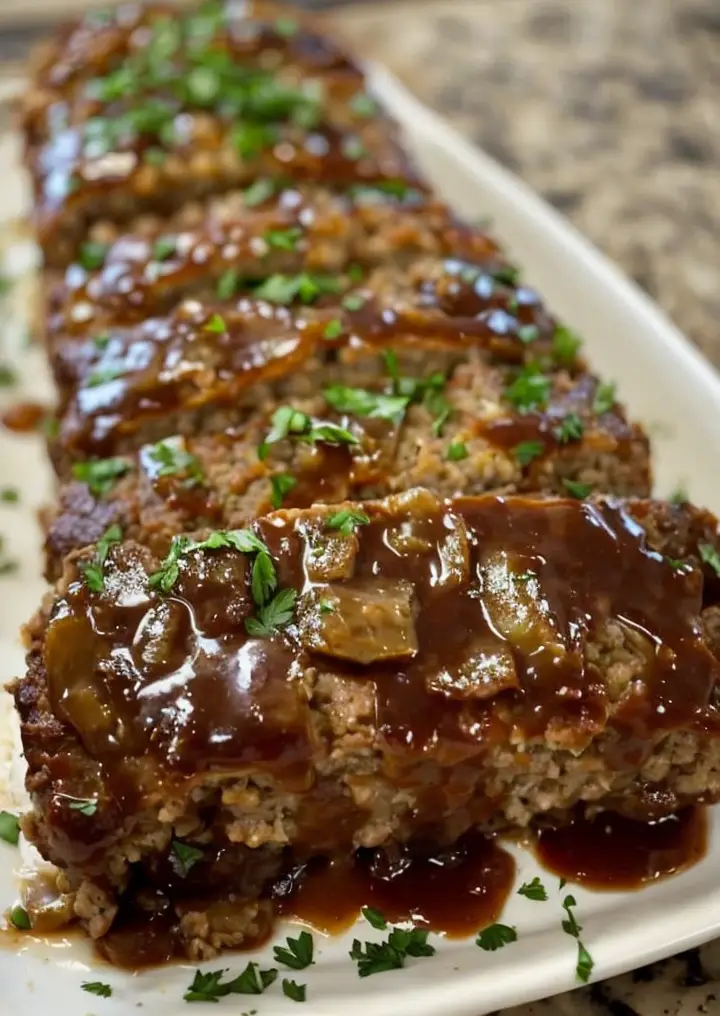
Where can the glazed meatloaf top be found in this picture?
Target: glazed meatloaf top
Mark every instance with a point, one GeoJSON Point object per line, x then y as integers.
{"type": "Point", "coordinates": [378, 443]}
{"type": "Point", "coordinates": [299, 230]}
{"type": "Point", "coordinates": [471, 624]}
{"type": "Point", "coordinates": [186, 105]}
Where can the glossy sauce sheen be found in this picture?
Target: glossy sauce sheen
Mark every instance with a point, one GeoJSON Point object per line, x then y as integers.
{"type": "Point", "coordinates": [613, 852]}
{"type": "Point", "coordinates": [182, 679]}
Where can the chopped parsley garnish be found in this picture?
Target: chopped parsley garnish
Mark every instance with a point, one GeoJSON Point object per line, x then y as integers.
{"type": "Point", "coordinates": [10, 495]}
{"type": "Point", "coordinates": [289, 422]}
{"type": "Point", "coordinates": [258, 192]}
{"type": "Point", "coordinates": [284, 239]}
{"type": "Point", "coordinates": [508, 275]}
{"type": "Point", "coordinates": [361, 402]}
{"type": "Point", "coordinates": [604, 398]}
{"type": "Point", "coordinates": [347, 520]}
{"type": "Point", "coordinates": [363, 104]}
{"type": "Point", "coordinates": [282, 484]}
{"type": "Point", "coordinates": [215, 324]}
{"type": "Point", "coordinates": [286, 27]}
{"type": "Point", "coordinates": [8, 377]}
{"type": "Point", "coordinates": [429, 391]}
{"type": "Point", "coordinates": [576, 489]}
{"type": "Point", "coordinates": [570, 428]}
{"type": "Point", "coordinates": [85, 805]}
{"type": "Point", "coordinates": [355, 273]}
{"type": "Point", "coordinates": [675, 563]}
{"type": "Point", "coordinates": [377, 957]}
{"type": "Point", "coordinates": [210, 988]}
{"type": "Point", "coordinates": [527, 333]}
{"type": "Point", "coordinates": [19, 918]}
{"type": "Point", "coordinates": [163, 247]}
{"type": "Point", "coordinates": [565, 345]}
{"type": "Point", "coordinates": [530, 389]}
{"type": "Point", "coordinates": [374, 917]}
{"type": "Point", "coordinates": [7, 564]}
{"type": "Point", "coordinates": [457, 451]}
{"type": "Point", "coordinates": [93, 571]}
{"type": "Point", "coordinates": [103, 377]}
{"type": "Point", "coordinates": [242, 540]}
{"type": "Point", "coordinates": [9, 828]}
{"type": "Point", "coordinates": [273, 615]}
{"type": "Point", "coordinates": [184, 857]}
{"type": "Point", "coordinates": [325, 607]}
{"type": "Point", "coordinates": [173, 460]}
{"type": "Point", "coordinates": [154, 156]}
{"type": "Point", "coordinates": [570, 926]}
{"type": "Point", "coordinates": [100, 475]}
{"type": "Point", "coordinates": [533, 890]}
{"type": "Point", "coordinates": [679, 496]}
{"type": "Point", "coordinates": [298, 954]}
{"type": "Point", "coordinates": [353, 148]}
{"type": "Point", "coordinates": [6, 284]}
{"type": "Point", "coordinates": [333, 329]}
{"type": "Point", "coordinates": [228, 284]}
{"type": "Point", "coordinates": [297, 992]}
{"type": "Point", "coordinates": [101, 341]}
{"type": "Point", "coordinates": [283, 289]}
{"type": "Point", "coordinates": [353, 301]}
{"type": "Point", "coordinates": [526, 451]}
{"type": "Point", "coordinates": [92, 254]}
{"type": "Point", "coordinates": [250, 138]}
{"type": "Point", "coordinates": [710, 556]}
{"type": "Point", "coordinates": [496, 936]}
{"type": "Point", "coordinates": [97, 988]}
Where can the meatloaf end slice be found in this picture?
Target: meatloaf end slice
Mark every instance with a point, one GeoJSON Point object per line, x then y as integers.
{"type": "Point", "coordinates": [182, 483]}
{"type": "Point", "coordinates": [550, 652]}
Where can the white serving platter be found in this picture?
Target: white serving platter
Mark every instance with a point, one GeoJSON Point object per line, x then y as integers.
{"type": "Point", "coordinates": [666, 384]}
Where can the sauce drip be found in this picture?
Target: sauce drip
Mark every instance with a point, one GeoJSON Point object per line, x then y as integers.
{"type": "Point", "coordinates": [613, 852]}
{"type": "Point", "coordinates": [457, 890]}
{"type": "Point", "coordinates": [24, 417]}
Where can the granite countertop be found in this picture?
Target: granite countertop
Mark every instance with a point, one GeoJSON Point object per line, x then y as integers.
{"type": "Point", "coordinates": [609, 108]}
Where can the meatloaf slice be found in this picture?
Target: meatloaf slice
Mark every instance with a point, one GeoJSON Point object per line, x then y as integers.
{"type": "Point", "coordinates": [225, 479]}
{"type": "Point", "coordinates": [204, 364]}
{"type": "Point", "coordinates": [193, 105]}
{"type": "Point", "coordinates": [308, 230]}
{"type": "Point", "coordinates": [363, 675]}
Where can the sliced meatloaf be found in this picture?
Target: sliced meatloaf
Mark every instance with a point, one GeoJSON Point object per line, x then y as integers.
{"type": "Point", "coordinates": [362, 675]}
{"type": "Point", "coordinates": [574, 441]}
{"type": "Point", "coordinates": [172, 107]}
{"type": "Point", "coordinates": [308, 230]}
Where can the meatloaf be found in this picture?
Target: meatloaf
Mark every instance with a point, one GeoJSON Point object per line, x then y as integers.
{"type": "Point", "coordinates": [385, 443]}
{"type": "Point", "coordinates": [362, 675]}
{"type": "Point", "coordinates": [144, 113]}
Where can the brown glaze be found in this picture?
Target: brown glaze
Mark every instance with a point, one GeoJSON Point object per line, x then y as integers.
{"type": "Point", "coordinates": [23, 417]}
{"type": "Point", "coordinates": [505, 595]}
{"type": "Point", "coordinates": [613, 852]}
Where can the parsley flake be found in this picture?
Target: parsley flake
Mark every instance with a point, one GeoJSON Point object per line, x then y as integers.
{"type": "Point", "coordinates": [457, 451]}
{"type": "Point", "coordinates": [289, 422]}
{"type": "Point", "coordinates": [272, 616]}
{"type": "Point", "coordinates": [533, 890]}
{"type": "Point", "coordinates": [215, 324]}
{"type": "Point", "coordinates": [333, 329]}
{"type": "Point", "coordinates": [19, 918]}
{"type": "Point", "coordinates": [281, 484]}
{"type": "Point", "coordinates": [570, 428]}
{"type": "Point", "coordinates": [377, 957]}
{"type": "Point", "coordinates": [92, 254]}
{"type": "Point", "coordinates": [97, 988]}
{"type": "Point", "coordinates": [103, 376]}
{"type": "Point", "coordinates": [678, 496]}
{"type": "Point", "coordinates": [526, 451]}
{"type": "Point", "coordinates": [85, 805]}
{"type": "Point", "coordinates": [210, 988]}
{"type": "Point", "coordinates": [527, 333]}
{"type": "Point", "coordinates": [361, 402]}
{"type": "Point", "coordinates": [258, 192]}
{"type": "Point", "coordinates": [8, 377]}
{"type": "Point", "coordinates": [283, 239]}
{"type": "Point", "coordinates": [604, 398]}
{"type": "Point", "coordinates": [710, 556]}
{"type": "Point", "coordinates": [576, 489]}
{"type": "Point", "coordinates": [100, 475]}
{"type": "Point", "coordinates": [9, 828]}
{"type": "Point", "coordinates": [163, 247]}
{"type": "Point", "coordinates": [284, 289]}
{"type": "Point", "coordinates": [496, 936]}
{"type": "Point", "coordinates": [530, 389]}
{"type": "Point", "coordinates": [353, 301]}
{"type": "Point", "coordinates": [227, 284]}
{"type": "Point", "coordinates": [374, 917]}
{"type": "Point", "coordinates": [9, 495]}
{"type": "Point", "coordinates": [184, 857]}
{"type": "Point", "coordinates": [174, 460]}
{"type": "Point", "coordinates": [347, 520]}
{"type": "Point", "coordinates": [571, 927]}
{"type": "Point", "coordinates": [93, 571]}
{"type": "Point", "coordinates": [507, 274]}
{"type": "Point", "coordinates": [297, 992]}
{"type": "Point", "coordinates": [298, 954]}
{"type": "Point", "coordinates": [565, 345]}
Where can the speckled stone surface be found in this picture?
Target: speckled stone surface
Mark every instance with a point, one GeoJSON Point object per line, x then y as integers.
{"type": "Point", "coordinates": [610, 108]}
